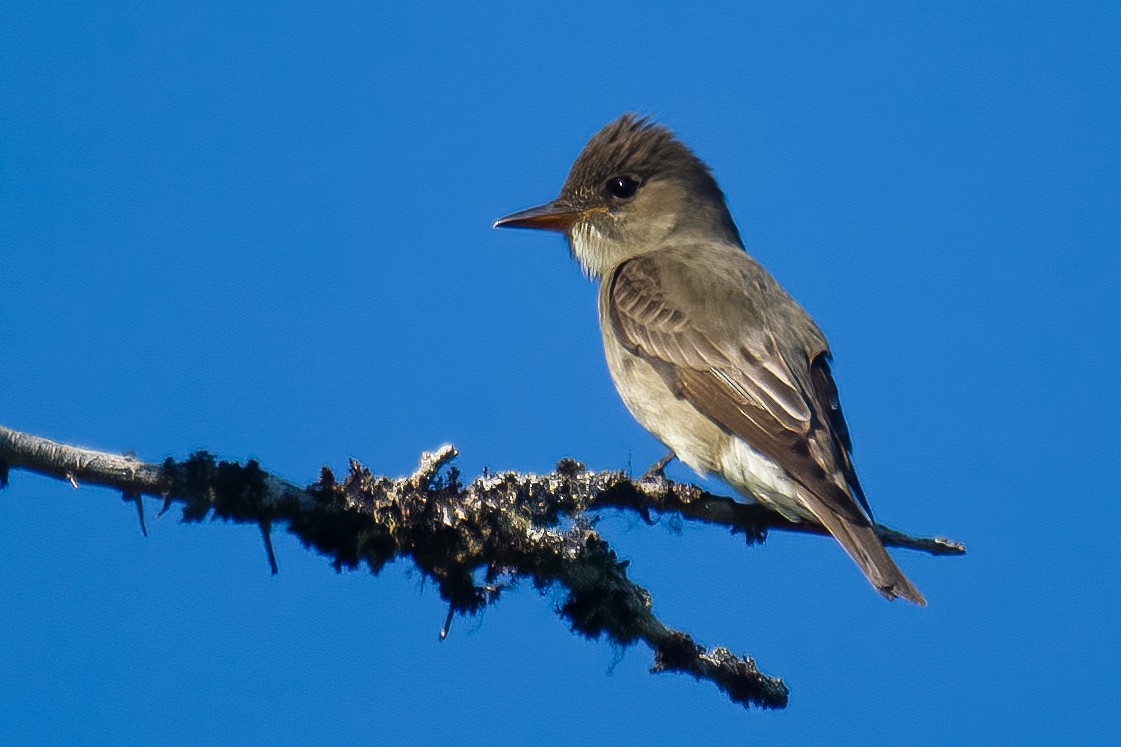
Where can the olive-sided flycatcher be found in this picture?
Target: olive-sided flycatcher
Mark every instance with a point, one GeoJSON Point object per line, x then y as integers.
{"type": "Point", "coordinates": [707, 351]}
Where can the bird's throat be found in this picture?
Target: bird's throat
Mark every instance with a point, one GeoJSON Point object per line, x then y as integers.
{"type": "Point", "coordinates": [596, 253]}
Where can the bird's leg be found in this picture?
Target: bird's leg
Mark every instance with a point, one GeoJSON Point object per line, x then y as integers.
{"type": "Point", "coordinates": [657, 470]}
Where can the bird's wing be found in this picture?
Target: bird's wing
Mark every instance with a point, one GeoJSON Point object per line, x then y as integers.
{"type": "Point", "coordinates": [828, 404]}
{"type": "Point", "coordinates": [705, 319]}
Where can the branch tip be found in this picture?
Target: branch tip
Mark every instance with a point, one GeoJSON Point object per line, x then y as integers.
{"type": "Point", "coordinates": [430, 463]}
{"type": "Point", "coordinates": [133, 497]}
{"type": "Point", "coordinates": [447, 623]}
{"type": "Point", "coordinates": [266, 535]}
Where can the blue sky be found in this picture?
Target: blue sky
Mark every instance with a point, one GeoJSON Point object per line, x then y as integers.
{"type": "Point", "coordinates": [266, 232]}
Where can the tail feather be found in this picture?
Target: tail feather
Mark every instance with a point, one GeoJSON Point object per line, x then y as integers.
{"type": "Point", "coordinates": [863, 546]}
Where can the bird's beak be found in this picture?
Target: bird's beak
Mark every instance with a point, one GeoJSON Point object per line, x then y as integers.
{"type": "Point", "coordinates": [554, 216]}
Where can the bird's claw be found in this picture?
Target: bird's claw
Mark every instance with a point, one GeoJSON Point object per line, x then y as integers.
{"type": "Point", "coordinates": [657, 471]}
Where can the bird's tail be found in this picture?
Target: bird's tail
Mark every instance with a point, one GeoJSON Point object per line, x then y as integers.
{"type": "Point", "coordinates": [864, 547]}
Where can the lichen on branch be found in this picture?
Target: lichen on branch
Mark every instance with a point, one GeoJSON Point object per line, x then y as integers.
{"type": "Point", "coordinates": [472, 541]}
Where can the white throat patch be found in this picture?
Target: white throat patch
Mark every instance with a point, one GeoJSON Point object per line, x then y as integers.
{"type": "Point", "coordinates": [591, 249]}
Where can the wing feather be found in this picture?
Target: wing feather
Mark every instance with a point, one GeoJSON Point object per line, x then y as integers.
{"type": "Point", "coordinates": [713, 347]}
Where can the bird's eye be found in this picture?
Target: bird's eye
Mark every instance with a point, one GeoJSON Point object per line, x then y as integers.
{"type": "Point", "coordinates": [622, 187]}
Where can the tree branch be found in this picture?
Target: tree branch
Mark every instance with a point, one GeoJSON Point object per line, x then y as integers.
{"type": "Point", "coordinates": [616, 490]}
{"type": "Point", "coordinates": [504, 526]}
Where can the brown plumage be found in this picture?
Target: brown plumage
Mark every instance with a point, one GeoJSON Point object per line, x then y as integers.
{"type": "Point", "coordinates": [706, 349]}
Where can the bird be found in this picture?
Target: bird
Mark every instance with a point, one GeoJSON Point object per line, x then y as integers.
{"type": "Point", "coordinates": [708, 352]}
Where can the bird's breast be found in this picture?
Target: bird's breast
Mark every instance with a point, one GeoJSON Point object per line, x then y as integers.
{"type": "Point", "coordinates": [695, 439]}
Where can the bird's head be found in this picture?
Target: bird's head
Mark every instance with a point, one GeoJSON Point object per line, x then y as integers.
{"type": "Point", "coordinates": [634, 188]}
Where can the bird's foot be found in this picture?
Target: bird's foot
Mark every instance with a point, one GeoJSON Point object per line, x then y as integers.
{"type": "Point", "coordinates": [657, 470]}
